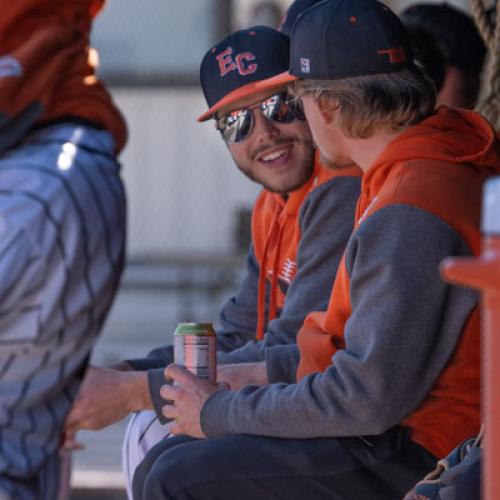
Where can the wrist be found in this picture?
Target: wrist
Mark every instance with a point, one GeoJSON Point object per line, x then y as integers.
{"type": "Point", "coordinates": [137, 390]}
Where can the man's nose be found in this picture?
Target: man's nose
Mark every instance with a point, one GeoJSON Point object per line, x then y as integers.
{"type": "Point", "coordinates": [264, 129]}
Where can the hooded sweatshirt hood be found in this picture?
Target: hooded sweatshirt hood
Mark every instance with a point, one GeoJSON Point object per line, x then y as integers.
{"type": "Point", "coordinates": [440, 137]}
{"type": "Point", "coordinates": [419, 158]}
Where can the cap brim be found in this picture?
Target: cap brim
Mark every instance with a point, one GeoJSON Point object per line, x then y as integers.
{"type": "Point", "coordinates": [248, 90]}
{"type": "Point", "coordinates": [276, 81]}
{"type": "Point", "coordinates": [235, 95]}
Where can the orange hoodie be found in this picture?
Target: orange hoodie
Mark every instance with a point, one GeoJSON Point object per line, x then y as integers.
{"type": "Point", "coordinates": [276, 234]}
{"type": "Point", "coordinates": [437, 167]}
{"type": "Point", "coordinates": [47, 71]}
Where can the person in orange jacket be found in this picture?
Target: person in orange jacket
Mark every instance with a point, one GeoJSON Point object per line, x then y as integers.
{"type": "Point", "coordinates": [62, 230]}
{"type": "Point", "coordinates": [388, 377]}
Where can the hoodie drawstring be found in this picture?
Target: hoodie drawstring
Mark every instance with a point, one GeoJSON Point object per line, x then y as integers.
{"type": "Point", "coordinates": [274, 278]}
{"type": "Point", "coordinates": [276, 234]}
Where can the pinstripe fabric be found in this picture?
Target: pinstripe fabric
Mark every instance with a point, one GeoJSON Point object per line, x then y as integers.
{"type": "Point", "coordinates": [62, 233]}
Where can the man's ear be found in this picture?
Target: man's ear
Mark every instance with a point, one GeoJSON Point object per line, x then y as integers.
{"type": "Point", "coordinates": [327, 108]}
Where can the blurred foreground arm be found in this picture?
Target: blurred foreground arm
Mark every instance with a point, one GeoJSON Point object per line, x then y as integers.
{"type": "Point", "coordinates": [105, 397]}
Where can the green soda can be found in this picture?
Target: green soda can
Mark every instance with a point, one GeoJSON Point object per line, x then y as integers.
{"type": "Point", "coordinates": [195, 350]}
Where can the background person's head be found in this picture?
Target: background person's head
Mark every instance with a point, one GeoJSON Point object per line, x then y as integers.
{"type": "Point", "coordinates": [463, 49]}
{"type": "Point", "coordinates": [297, 8]}
{"type": "Point", "coordinates": [353, 68]}
{"type": "Point", "coordinates": [427, 55]}
{"type": "Point", "coordinates": [267, 136]}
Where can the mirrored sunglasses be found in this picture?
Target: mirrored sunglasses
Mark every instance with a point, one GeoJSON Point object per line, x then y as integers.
{"type": "Point", "coordinates": [237, 125]}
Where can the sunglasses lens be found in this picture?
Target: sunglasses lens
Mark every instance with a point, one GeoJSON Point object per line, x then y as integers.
{"type": "Point", "coordinates": [235, 126]}
{"type": "Point", "coordinates": [276, 108]}
{"type": "Point", "coordinates": [281, 108]}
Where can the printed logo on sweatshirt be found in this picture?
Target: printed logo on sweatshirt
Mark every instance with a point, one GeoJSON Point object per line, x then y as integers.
{"type": "Point", "coordinates": [10, 67]}
{"type": "Point", "coordinates": [286, 274]}
{"type": "Point", "coordinates": [288, 271]}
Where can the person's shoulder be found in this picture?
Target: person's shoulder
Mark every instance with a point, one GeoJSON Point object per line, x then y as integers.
{"type": "Point", "coordinates": [432, 178]}
{"type": "Point", "coordinates": [342, 182]}
{"type": "Point", "coordinates": [330, 185]}
{"type": "Point", "coordinates": [451, 192]}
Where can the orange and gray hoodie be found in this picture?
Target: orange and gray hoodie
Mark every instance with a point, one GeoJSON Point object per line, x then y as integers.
{"type": "Point", "coordinates": [47, 70]}
{"type": "Point", "coordinates": [396, 345]}
{"type": "Point", "coordinates": [296, 248]}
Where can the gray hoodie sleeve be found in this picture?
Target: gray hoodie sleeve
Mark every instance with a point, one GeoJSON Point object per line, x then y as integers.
{"type": "Point", "coordinates": [404, 326]}
{"type": "Point", "coordinates": [159, 357]}
{"type": "Point", "coordinates": [326, 220]}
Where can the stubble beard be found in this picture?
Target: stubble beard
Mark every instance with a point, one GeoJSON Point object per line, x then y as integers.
{"type": "Point", "coordinates": [305, 172]}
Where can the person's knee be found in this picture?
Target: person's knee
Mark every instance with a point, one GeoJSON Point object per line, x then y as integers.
{"type": "Point", "coordinates": [181, 469]}
{"type": "Point", "coordinates": [158, 484]}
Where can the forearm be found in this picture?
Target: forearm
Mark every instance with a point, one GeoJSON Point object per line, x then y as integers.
{"type": "Point", "coordinates": [242, 374]}
{"type": "Point", "coordinates": [130, 390]}
{"type": "Point", "coordinates": [281, 361]}
{"type": "Point", "coordinates": [105, 397]}
{"type": "Point", "coordinates": [137, 387]}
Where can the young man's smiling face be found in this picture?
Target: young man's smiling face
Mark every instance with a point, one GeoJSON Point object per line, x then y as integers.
{"type": "Point", "coordinates": [279, 156]}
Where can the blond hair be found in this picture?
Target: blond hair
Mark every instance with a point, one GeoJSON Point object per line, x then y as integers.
{"type": "Point", "coordinates": [391, 101]}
